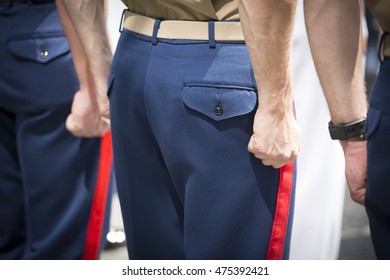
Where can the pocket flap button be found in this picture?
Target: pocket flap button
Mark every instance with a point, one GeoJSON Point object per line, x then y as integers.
{"type": "Point", "coordinates": [44, 53]}
{"type": "Point", "coordinates": [218, 109]}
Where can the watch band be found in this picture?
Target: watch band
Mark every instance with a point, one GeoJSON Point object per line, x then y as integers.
{"type": "Point", "coordinates": [347, 131]}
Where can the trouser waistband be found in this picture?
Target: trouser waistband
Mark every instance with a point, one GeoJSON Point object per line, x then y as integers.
{"type": "Point", "coordinates": [183, 30]}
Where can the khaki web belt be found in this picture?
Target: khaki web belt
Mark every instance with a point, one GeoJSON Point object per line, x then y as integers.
{"type": "Point", "coordinates": [183, 30]}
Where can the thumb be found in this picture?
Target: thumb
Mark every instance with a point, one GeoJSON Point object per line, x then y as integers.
{"type": "Point", "coordinates": [104, 126]}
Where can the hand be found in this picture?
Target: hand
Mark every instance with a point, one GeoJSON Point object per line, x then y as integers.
{"type": "Point", "coordinates": [275, 138]}
{"type": "Point", "coordinates": [355, 153]}
{"type": "Point", "coordinates": [85, 119]}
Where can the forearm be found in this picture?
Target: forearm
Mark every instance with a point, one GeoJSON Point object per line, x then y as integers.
{"type": "Point", "coordinates": [90, 107]}
{"type": "Point", "coordinates": [333, 28]}
{"type": "Point", "coordinates": [89, 22]}
{"type": "Point", "coordinates": [267, 26]}
{"type": "Point", "coordinates": [79, 57]}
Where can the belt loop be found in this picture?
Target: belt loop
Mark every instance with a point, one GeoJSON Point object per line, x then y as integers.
{"type": "Point", "coordinates": [122, 20]}
{"type": "Point", "coordinates": [155, 30]}
{"type": "Point", "coordinates": [212, 43]}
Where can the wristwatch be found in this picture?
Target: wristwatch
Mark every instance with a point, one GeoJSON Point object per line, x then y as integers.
{"type": "Point", "coordinates": [347, 131]}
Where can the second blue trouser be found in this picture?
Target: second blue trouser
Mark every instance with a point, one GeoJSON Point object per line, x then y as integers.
{"type": "Point", "coordinates": [48, 177]}
{"type": "Point", "coordinates": [378, 186]}
{"type": "Point", "coordinates": [182, 116]}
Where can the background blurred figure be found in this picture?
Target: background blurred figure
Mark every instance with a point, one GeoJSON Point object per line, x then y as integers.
{"type": "Point", "coordinates": [53, 185]}
{"type": "Point", "coordinates": [321, 182]}
{"type": "Point", "coordinates": [378, 128]}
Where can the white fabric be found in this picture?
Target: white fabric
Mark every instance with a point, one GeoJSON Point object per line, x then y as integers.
{"type": "Point", "coordinates": [115, 9]}
{"type": "Point", "coordinates": [321, 182]}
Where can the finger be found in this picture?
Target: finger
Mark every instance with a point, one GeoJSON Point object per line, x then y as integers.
{"type": "Point", "coordinates": [250, 145]}
{"type": "Point", "coordinates": [358, 195]}
{"type": "Point", "coordinates": [272, 159]}
{"type": "Point", "coordinates": [275, 164]}
{"type": "Point", "coordinates": [105, 113]}
{"type": "Point", "coordinates": [104, 106]}
{"type": "Point", "coordinates": [279, 165]}
{"type": "Point", "coordinates": [256, 150]}
{"type": "Point", "coordinates": [268, 162]}
{"type": "Point", "coordinates": [357, 199]}
{"type": "Point", "coordinates": [104, 126]}
{"type": "Point", "coordinates": [70, 125]}
{"type": "Point", "coordinates": [74, 128]}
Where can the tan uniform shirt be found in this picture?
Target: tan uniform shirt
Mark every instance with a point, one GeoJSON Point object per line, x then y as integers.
{"type": "Point", "coordinates": [380, 9]}
{"type": "Point", "coordinates": [185, 9]}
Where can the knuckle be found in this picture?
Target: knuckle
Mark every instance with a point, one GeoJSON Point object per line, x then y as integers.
{"type": "Point", "coordinates": [285, 157]}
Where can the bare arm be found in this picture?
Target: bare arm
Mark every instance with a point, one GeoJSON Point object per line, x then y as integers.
{"type": "Point", "coordinates": [268, 27]}
{"type": "Point", "coordinates": [88, 20]}
{"type": "Point", "coordinates": [333, 28]}
{"type": "Point", "coordinates": [85, 119]}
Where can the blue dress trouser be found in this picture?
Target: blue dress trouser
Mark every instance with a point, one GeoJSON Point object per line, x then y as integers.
{"type": "Point", "coordinates": [182, 115]}
{"type": "Point", "coordinates": [378, 153]}
{"type": "Point", "coordinates": [47, 176]}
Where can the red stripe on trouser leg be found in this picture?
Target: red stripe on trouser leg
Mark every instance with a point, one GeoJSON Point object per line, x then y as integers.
{"type": "Point", "coordinates": [282, 210]}
{"type": "Point", "coordinates": [98, 208]}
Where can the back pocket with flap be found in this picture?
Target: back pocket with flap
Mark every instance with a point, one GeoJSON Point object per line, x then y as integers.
{"type": "Point", "coordinates": [38, 48]}
{"type": "Point", "coordinates": [219, 102]}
